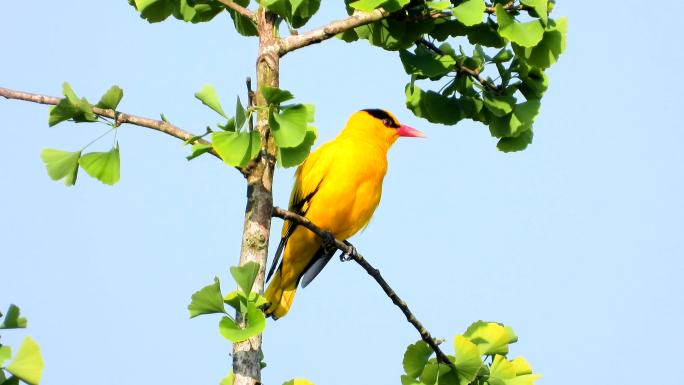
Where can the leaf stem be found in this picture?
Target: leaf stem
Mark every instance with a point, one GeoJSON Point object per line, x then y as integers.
{"type": "Point", "coordinates": [98, 138]}
{"type": "Point", "coordinates": [116, 132]}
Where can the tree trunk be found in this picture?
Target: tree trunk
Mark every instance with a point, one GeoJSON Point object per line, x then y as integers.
{"type": "Point", "coordinates": [247, 354]}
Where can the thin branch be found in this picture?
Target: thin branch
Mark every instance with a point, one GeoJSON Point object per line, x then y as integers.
{"type": "Point", "coordinates": [434, 15]}
{"type": "Point", "coordinates": [117, 116]}
{"type": "Point", "coordinates": [238, 8]}
{"type": "Point", "coordinates": [475, 74]}
{"type": "Point", "coordinates": [510, 7]}
{"type": "Point", "coordinates": [317, 35]}
{"type": "Point", "coordinates": [373, 272]}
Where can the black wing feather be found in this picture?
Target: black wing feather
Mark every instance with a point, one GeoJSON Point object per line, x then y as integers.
{"type": "Point", "coordinates": [318, 262]}
{"type": "Point", "coordinates": [296, 206]}
{"type": "Point", "coordinates": [279, 251]}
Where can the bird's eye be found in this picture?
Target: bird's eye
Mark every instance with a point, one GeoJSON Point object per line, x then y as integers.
{"type": "Point", "coordinates": [387, 122]}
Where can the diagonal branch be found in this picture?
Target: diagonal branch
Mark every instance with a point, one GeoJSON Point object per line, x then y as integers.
{"type": "Point", "coordinates": [317, 35]}
{"type": "Point", "coordinates": [119, 117]}
{"type": "Point", "coordinates": [351, 251]}
{"type": "Point", "coordinates": [238, 8]}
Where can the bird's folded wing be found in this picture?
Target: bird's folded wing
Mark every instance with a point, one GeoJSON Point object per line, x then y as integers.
{"type": "Point", "coordinates": [308, 179]}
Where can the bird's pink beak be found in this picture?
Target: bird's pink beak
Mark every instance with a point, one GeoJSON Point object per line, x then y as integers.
{"type": "Point", "coordinates": [411, 132]}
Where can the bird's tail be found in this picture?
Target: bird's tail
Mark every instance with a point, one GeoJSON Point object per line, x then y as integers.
{"type": "Point", "coordinates": [280, 296]}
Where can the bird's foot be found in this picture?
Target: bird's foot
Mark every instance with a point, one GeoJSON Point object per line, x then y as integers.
{"type": "Point", "coordinates": [329, 244]}
{"type": "Point", "coordinates": [344, 257]}
{"type": "Point", "coordinates": [268, 310]}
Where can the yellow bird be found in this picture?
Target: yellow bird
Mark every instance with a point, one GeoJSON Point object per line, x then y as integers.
{"type": "Point", "coordinates": [338, 188]}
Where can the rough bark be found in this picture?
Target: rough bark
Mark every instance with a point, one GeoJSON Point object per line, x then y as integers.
{"type": "Point", "coordinates": [247, 354]}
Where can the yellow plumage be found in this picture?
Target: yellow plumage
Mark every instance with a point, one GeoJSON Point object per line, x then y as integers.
{"type": "Point", "coordinates": [338, 187]}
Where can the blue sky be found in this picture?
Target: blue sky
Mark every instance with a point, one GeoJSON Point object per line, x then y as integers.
{"type": "Point", "coordinates": [576, 242]}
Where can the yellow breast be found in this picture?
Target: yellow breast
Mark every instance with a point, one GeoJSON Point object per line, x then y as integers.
{"type": "Point", "coordinates": [351, 189]}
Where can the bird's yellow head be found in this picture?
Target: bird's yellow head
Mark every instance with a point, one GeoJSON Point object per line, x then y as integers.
{"type": "Point", "coordinates": [378, 124]}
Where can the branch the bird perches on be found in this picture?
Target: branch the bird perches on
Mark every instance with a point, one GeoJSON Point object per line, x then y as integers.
{"type": "Point", "coordinates": [351, 251]}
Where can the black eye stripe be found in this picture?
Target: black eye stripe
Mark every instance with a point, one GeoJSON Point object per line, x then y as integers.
{"type": "Point", "coordinates": [383, 116]}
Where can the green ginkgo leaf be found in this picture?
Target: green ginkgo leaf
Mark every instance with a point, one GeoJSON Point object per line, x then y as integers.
{"type": "Point", "coordinates": [415, 358]}
{"type": "Point", "coordinates": [367, 5]}
{"type": "Point", "coordinates": [236, 148]}
{"type": "Point", "coordinates": [258, 299]}
{"type": "Point", "coordinates": [199, 149]}
{"type": "Point", "coordinates": [245, 275]}
{"type": "Point", "coordinates": [237, 300]}
{"type": "Point", "coordinates": [61, 164]}
{"type": "Point", "coordinates": [503, 56]}
{"type": "Point", "coordinates": [516, 372]}
{"type": "Point", "coordinates": [490, 337]}
{"type": "Point", "coordinates": [154, 10]}
{"type": "Point", "coordinates": [281, 8]}
{"type": "Point", "coordinates": [275, 95]}
{"type": "Point", "coordinates": [467, 359]}
{"type": "Point", "coordinates": [518, 143]}
{"type": "Point", "coordinates": [207, 300]}
{"type": "Point", "coordinates": [549, 49]}
{"type": "Point", "coordinates": [499, 105]}
{"type": "Point", "coordinates": [290, 125]}
{"type": "Point", "coordinates": [71, 107]}
{"type": "Point", "coordinates": [370, 5]}
{"type": "Point", "coordinates": [534, 82]}
{"type": "Point", "coordinates": [197, 11]}
{"type": "Point", "coordinates": [63, 111]}
{"type": "Point", "coordinates": [426, 65]}
{"type": "Point", "coordinates": [408, 380]}
{"type": "Point", "coordinates": [526, 34]}
{"type": "Point", "coordinates": [244, 25]}
{"type": "Point", "coordinates": [293, 156]}
{"type": "Point", "coordinates": [470, 12]}
{"type": "Point", "coordinates": [433, 106]}
{"type": "Point", "coordinates": [302, 11]}
{"type": "Point", "coordinates": [85, 110]}
{"type": "Point", "coordinates": [13, 319]}
{"type": "Point", "coordinates": [103, 166]}
{"type": "Point", "coordinates": [208, 96]}
{"type": "Point", "coordinates": [430, 373]}
{"type": "Point", "coordinates": [501, 368]}
{"type": "Point", "coordinates": [255, 322]}
{"type": "Point", "coordinates": [240, 115]}
{"type": "Point", "coordinates": [27, 365]}
{"type": "Point", "coordinates": [526, 112]}
{"type": "Point", "coordinates": [111, 98]}
{"type": "Point", "coordinates": [540, 8]}
{"type": "Point", "coordinates": [5, 354]}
